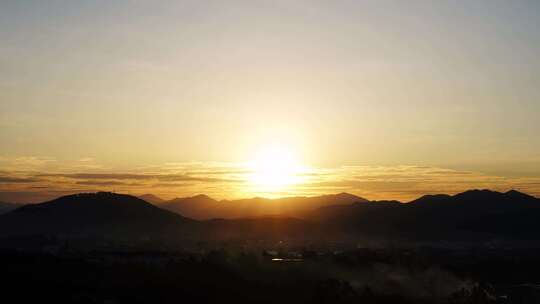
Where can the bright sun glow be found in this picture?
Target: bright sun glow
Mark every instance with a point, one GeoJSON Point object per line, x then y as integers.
{"type": "Point", "coordinates": [275, 168]}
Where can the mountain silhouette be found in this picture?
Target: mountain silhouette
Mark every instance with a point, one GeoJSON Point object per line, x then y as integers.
{"type": "Point", "coordinates": [203, 207]}
{"type": "Point", "coordinates": [468, 215]}
{"type": "Point", "coordinates": [197, 207]}
{"type": "Point", "coordinates": [152, 199]}
{"type": "Point", "coordinates": [93, 214]}
{"type": "Point", "coordinates": [471, 215]}
{"type": "Point", "coordinates": [6, 207]}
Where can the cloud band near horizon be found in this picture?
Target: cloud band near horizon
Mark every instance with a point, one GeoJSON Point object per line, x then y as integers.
{"type": "Point", "coordinates": [40, 180]}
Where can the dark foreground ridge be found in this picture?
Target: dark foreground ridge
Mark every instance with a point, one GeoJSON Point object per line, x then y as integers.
{"type": "Point", "coordinates": [370, 276]}
{"type": "Point", "coordinates": [476, 247]}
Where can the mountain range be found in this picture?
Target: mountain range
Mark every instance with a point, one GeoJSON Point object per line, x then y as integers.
{"type": "Point", "coordinates": [471, 215]}
{"type": "Point", "coordinates": [203, 207]}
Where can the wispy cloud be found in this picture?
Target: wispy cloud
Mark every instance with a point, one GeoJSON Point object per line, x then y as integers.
{"type": "Point", "coordinates": [406, 182]}
{"type": "Point", "coordinates": [86, 159]}
{"type": "Point", "coordinates": [120, 176]}
{"type": "Point", "coordinates": [26, 163]}
{"type": "Point", "coordinates": [106, 183]}
{"type": "Point", "coordinates": [16, 180]}
{"type": "Point", "coordinates": [135, 176]}
{"type": "Point", "coordinates": [224, 180]}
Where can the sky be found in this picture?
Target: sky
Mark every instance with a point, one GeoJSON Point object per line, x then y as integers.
{"type": "Point", "coordinates": [386, 99]}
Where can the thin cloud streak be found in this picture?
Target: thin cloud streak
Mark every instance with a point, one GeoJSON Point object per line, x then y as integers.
{"type": "Point", "coordinates": [228, 181]}
{"type": "Point", "coordinates": [16, 180]}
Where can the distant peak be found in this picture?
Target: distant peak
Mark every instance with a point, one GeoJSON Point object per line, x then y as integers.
{"type": "Point", "coordinates": [202, 196]}
{"type": "Point", "coordinates": [486, 194]}
{"type": "Point", "coordinates": [151, 198]}
{"type": "Point", "coordinates": [198, 197]}
{"type": "Point", "coordinates": [477, 192]}
{"type": "Point", "coordinates": [99, 194]}
{"type": "Point", "coordinates": [513, 192]}
{"type": "Point", "coordinates": [347, 195]}
{"type": "Point", "coordinates": [517, 194]}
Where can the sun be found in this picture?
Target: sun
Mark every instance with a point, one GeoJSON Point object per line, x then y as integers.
{"type": "Point", "coordinates": [274, 168]}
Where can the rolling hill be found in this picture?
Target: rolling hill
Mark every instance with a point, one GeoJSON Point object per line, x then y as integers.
{"type": "Point", "coordinates": [93, 214]}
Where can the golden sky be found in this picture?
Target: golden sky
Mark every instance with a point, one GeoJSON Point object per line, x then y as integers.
{"type": "Point", "coordinates": [35, 179]}
{"type": "Point", "coordinates": [385, 99]}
